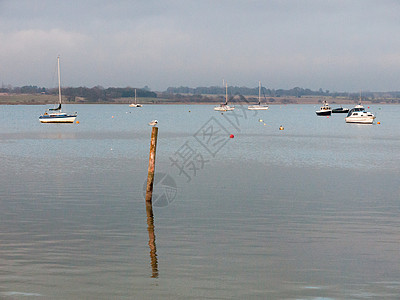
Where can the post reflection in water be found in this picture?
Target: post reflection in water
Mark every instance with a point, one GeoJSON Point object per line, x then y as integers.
{"type": "Point", "coordinates": [152, 240]}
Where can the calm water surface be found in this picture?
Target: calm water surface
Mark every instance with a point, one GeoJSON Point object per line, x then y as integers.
{"type": "Point", "coordinates": [309, 212]}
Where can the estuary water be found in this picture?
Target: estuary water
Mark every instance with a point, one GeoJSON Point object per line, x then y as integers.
{"type": "Point", "coordinates": [242, 210]}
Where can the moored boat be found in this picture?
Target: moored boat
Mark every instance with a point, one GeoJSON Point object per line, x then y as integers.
{"type": "Point", "coordinates": [325, 110]}
{"type": "Point", "coordinates": [358, 114]}
{"type": "Point", "coordinates": [258, 106]}
{"type": "Point", "coordinates": [224, 106]}
{"type": "Point", "coordinates": [55, 115]}
{"type": "Point", "coordinates": [340, 110]}
{"type": "Point", "coordinates": [135, 104]}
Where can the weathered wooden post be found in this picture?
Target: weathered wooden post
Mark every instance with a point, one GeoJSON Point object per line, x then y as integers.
{"type": "Point", "coordinates": [152, 161]}
{"type": "Point", "coordinates": [149, 204]}
{"type": "Point", "coordinates": [152, 240]}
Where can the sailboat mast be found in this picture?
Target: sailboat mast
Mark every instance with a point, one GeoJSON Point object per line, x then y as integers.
{"type": "Point", "coordinates": [226, 95]}
{"type": "Point", "coordinates": [135, 96]}
{"type": "Point", "coordinates": [259, 92]}
{"type": "Point", "coordinates": [59, 79]}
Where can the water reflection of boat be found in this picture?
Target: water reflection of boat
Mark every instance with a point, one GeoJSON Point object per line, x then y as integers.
{"type": "Point", "coordinates": [224, 106]}
{"type": "Point", "coordinates": [358, 114]}
{"type": "Point", "coordinates": [258, 106]}
{"type": "Point", "coordinates": [340, 110]}
{"type": "Point", "coordinates": [325, 110]}
{"type": "Point", "coordinates": [55, 115]}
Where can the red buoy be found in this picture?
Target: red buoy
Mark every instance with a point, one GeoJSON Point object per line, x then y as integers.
{"type": "Point", "coordinates": [231, 136]}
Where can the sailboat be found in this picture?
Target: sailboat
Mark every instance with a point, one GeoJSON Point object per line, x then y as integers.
{"type": "Point", "coordinates": [56, 115]}
{"type": "Point", "coordinates": [258, 106]}
{"type": "Point", "coordinates": [224, 106]}
{"type": "Point", "coordinates": [135, 104]}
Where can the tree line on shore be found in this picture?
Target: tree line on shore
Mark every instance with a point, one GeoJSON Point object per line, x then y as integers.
{"type": "Point", "coordinates": [95, 94]}
{"type": "Point", "coordinates": [199, 94]}
{"type": "Point", "coordinates": [294, 92]}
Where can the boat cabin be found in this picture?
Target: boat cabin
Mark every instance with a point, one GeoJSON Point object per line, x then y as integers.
{"type": "Point", "coordinates": [354, 111]}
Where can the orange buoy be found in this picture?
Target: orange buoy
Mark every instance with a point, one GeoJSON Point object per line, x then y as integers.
{"type": "Point", "coordinates": [281, 128]}
{"type": "Point", "coordinates": [379, 123]}
{"type": "Point", "coordinates": [77, 122]}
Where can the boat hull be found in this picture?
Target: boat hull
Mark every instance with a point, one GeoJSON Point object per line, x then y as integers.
{"type": "Point", "coordinates": [57, 119]}
{"type": "Point", "coordinates": [324, 113]}
{"type": "Point", "coordinates": [224, 108]}
{"type": "Point", "coordinates": [257, 107]}
{"type": "Point", "coordinates": [360, 120]}
{"type": "Point", "coordinates": [340, 111]}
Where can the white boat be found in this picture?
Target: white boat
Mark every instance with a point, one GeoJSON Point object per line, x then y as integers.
{"type": "Point", "coordinates": [358, 114]}
{"type": "Point", "coordinates": [259, 106]}
{"type": "Point", "coordinates": [224, 106]}
{"type": "Point", "coordinates": [55, 115]}
{"type": "Point", "coordinates": [325, 110]}
{"type": "Point", "coordinates": [135, 104]}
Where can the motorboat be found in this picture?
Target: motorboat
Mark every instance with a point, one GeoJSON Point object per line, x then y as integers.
{"type": "Point", "coordinates": [325, 110]}
{"type": "Point", "coordinates": [55, 115]}
{"type": "Point", "coordinates": [340, 110]}
{"type": "Point", "coordinates": [358, 114]}
{"type": "Point", "coordinates": [224, 106]}
{"type": "Point", "coordinates": [258, 106]}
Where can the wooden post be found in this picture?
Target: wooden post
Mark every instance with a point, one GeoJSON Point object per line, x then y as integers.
{"type": "Point", "coordinates": [152, 240]}
{"type": "Point", "coordinates": [152, 161]}
{"type": "Point", "coordinates": [149, 204]}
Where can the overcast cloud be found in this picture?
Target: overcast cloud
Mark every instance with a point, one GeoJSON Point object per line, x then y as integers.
{"type": "Point", "coordinates": [336, 45]}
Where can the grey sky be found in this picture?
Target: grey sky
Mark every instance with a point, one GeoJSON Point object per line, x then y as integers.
{"type": "Point", "coordinates": [335, 45]}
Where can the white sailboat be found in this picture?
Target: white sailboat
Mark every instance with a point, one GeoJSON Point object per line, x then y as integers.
{"type": "Point", "coordinates": [224, 106]}
{"type": "Point", "coordinates": [56, 115]}
{"type": "Point", "coordinates": [258, 106]}
{"type": "Point", "coordinates": [135, 104]}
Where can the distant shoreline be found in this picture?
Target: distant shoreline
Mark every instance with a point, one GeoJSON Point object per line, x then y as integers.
{"type": "Point", "coordinates": [38, 99]}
